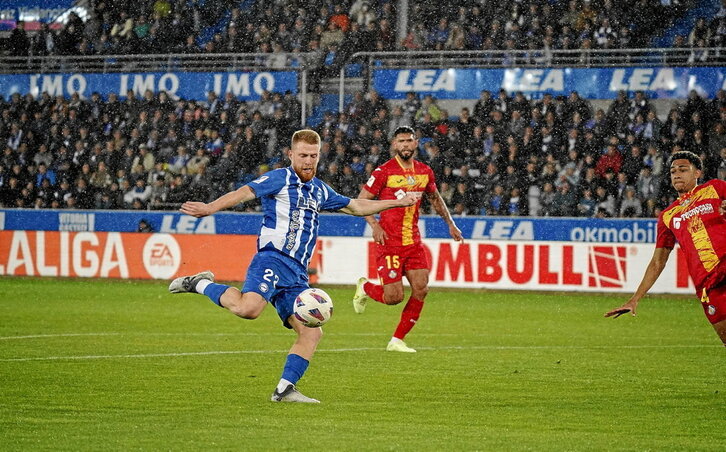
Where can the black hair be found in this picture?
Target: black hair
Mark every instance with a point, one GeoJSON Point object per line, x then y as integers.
{"type": "Point", "coordinates": [686, 155]}
{"type": "Point", "coordinates": [403, 129]}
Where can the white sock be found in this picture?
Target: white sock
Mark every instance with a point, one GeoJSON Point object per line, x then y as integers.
{"type": "Point", "coordinates": [283, 384]}
{"type": "Point", "coordinates": [395, 339]}
{"type": "Point", "coordinates": [201, 285]}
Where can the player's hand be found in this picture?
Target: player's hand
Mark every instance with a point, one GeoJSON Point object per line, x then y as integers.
{"type": "Point", "coordinates": [379, 235]}
{"type": "Point", "coordinates": [409, 200]}
{"type": "Point", "coordinates": [722, 209]}
{"type": "Point", "coordinates": [196, 209]}
{"type": "Point", "coordinates": [630, 307]}
{"type": "Point", "coordinates": [455, 233]}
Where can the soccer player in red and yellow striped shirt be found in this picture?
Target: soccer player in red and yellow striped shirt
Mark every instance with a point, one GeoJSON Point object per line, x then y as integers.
{"type": "Point", "coordinates": [399, 250]}
{"type": "Point", "coordinates": [696, 221]}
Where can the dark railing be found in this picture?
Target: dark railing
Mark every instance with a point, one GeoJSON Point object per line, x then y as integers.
{"type": "Point", "coordinates": [392, 60]}
{"type": "Point", "coordinates": [223, 62]}
{"type": "Point", "coordinates": [542, 58]}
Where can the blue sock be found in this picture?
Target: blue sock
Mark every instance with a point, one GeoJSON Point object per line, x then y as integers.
{"type": "Point", "coordinates": [295, 367]}
{"type": "Point", "coordinates": [214, 291]}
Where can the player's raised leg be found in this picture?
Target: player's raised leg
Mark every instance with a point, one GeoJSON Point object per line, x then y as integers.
{"type": "Point", "coordinates": [297, 363]}
{"type": "Point", "coordinates": [390, 293]}
{"type": "Point", "coordinates": [245, 305]}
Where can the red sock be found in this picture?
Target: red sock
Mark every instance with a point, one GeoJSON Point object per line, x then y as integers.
{"type": "Point", "coordinates": [409, 316]}
{"type": "Point", "coordinates": [374, 291]}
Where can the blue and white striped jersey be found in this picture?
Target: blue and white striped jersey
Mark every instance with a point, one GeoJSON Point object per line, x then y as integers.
{"type": "Point", "coordinates": [291, 209]}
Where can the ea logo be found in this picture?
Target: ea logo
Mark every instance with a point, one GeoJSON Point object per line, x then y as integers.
{"type": "Point", "coordinates": [676, 222]}
{"type": "Point", "coordinates": [161, 256]}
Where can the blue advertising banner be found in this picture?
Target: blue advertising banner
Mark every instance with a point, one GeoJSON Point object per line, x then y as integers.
{"type": "Point", "coordinates": [31, 11]}
{"type": "Point", "coordinates": [489, 228]}
{"type": "Point", "coordinates": [592, 83]}
{"type": "Point", "coordinates": [186, 85]}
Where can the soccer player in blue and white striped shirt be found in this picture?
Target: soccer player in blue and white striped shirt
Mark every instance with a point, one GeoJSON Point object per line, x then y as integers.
{"type": "Point", "coordinates": [292, 199]}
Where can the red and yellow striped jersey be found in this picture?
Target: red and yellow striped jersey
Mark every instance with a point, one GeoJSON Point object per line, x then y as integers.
{"type": "Point", "coordinates": [695, 222]}
{"type": "Point", "coordinates": [392, 181]}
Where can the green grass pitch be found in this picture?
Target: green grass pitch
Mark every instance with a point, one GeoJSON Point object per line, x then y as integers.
{"type": "Point", "coordinates": [123, 365]}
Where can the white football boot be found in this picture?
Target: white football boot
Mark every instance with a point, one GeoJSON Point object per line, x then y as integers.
{"type": "Point", "coordinates": [184, 284]}
{"type": "Point", "coordinates": [360, 298]}
{"type": "Point", "coordinates": [397, 345]}
{"type": "Point", "coordinates": [291, 394]}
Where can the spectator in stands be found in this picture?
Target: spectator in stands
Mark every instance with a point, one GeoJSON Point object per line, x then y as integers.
{"type": "Point", "coordinates": [19, 41]}
{"type": "Point", "coordinates": [631, 206]}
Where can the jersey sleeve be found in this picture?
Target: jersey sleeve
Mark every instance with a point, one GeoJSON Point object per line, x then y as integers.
{"type": "Point", "coordinates": [664, 236]}
{"type": "Point", "coordinates": [269, 183]}
{"type": "Point", "coordinates": [720, 187]}
{"type": "Point", "coordinates": [431, 186]}
{"type": "Point", "coordinates": [333, 201]}
{"type": "Point", "coordinates": [376, 182]}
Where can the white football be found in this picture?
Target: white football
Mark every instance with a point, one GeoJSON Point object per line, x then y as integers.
{"type": "Point", "coordinates": [313, 307]}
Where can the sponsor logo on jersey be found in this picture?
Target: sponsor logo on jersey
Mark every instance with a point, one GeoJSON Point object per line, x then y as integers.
{"type": "Point", "coordinates": [703, 209]}
{"type": "Point", "coordinates": [307, 203]}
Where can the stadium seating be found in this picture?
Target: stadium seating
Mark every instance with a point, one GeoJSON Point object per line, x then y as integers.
{"type": "Point", "coordinates": [504, 155]}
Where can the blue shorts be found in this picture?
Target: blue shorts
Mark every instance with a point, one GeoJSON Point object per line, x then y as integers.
{"type": "Point", "coordinates": [279, 280]}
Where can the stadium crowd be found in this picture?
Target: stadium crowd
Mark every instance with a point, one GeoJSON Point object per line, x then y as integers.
{"type": "Point", "coordinates": [332, 31]}
{"type": "Point", "coordinates": [503, 155]}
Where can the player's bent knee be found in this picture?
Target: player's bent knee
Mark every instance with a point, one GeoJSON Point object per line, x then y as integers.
{"type": "Point", "coordinates": [240, 310]}
{"type": "Point", "coordinates": [420, 292]}
{"type": "Point", "coordinates": [393, 300]}
{"type": "Point", "coordinates": [244, 309]}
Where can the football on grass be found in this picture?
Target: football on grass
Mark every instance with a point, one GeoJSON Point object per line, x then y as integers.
{"type": "Point", "coordinates": [313, 307]}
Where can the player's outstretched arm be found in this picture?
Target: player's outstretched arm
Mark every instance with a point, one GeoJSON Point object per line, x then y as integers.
{"type": "Point", "coordinates": [362, 207]}
{"type": "Point", "coordinates": [379, 235]}
{"type": "Point", "coordinates": [655, 268]}
{"type": "Point", "coordinates": [439, 205]}
{"type": "Point", "coordinates": [231, 199]}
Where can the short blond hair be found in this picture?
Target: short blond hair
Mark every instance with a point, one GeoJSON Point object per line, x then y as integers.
{"type": "Point", "coordinates": [306, 136]}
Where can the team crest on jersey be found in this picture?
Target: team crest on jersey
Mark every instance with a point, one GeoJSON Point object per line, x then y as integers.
{"type": "Point", "coordinates": [686, 202]}
{"type": "Point", "coordinates": [410, 180]}
{"type": "Point", "coordinates": [264, 287]}
{"type": "Point", "coordinates": [392, 274]}
{"type": "Point", "coordinates": [711, 309]}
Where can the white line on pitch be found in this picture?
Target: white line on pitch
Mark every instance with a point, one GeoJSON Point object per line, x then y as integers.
{"type": "Point", "coordinates": [40, 336]}
{"type": "Point", "coordinates": [46, 336]}
{"type": "Point", "coordinates": [358, 349]}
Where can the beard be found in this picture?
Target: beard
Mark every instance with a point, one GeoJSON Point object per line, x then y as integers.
{"type": "Point", "coordinates": [306, 176]}
{"type": "Point", "coordinates": [406, 154]}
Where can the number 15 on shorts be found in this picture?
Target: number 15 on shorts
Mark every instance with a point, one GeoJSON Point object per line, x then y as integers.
{"type": "Point", "coordinates": [393, 262]}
